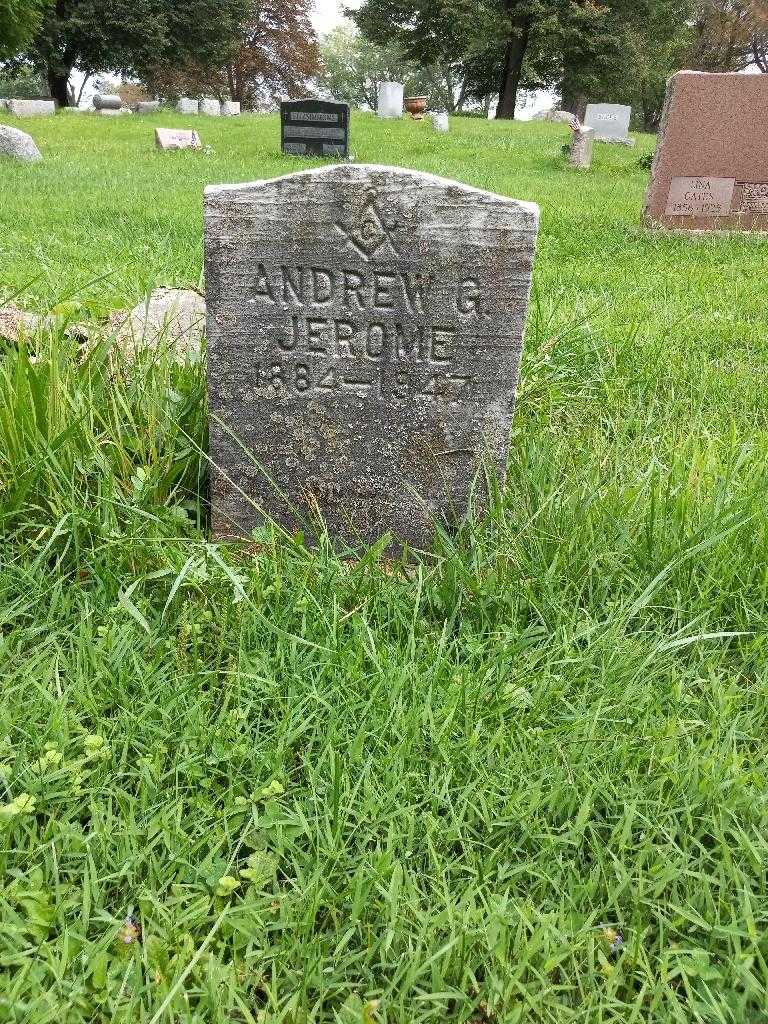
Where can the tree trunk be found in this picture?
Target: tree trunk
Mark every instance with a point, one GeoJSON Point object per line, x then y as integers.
{"type": "Point", "coordinates": [58, 84]}
{"type": "Point", "coordinates": [86, 79]}
{"type": "Point", "coordinates": [459, 105]}
{"type": "Point", "coordinates": [514, 55]}
{"type": "Point", "coordinates": [574, 102]}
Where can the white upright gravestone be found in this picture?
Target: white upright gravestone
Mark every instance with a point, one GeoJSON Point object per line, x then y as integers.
{"type": "Point", "coordinates": [389, 99]}
{"type": "Point", "coordinates": [209, 106]}
{"type": "Point", "coordinates": [365, 328]}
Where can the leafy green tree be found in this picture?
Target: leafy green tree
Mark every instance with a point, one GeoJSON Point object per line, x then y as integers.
{"type": "Point", "coordinates": [635, 47]}
{"type": "Point", "coordinates": [128, 36]}
{"type": "Point", "coordinates": [352, 67]}
{"type": "Point", "coordinates": [729, 35]}
{"type": "Point", "coordinates": [492, 40]}
{"type": "Point", "coordinates": [272, 53]}
{"type": "Point", "coordinates": [18, 21]}
{"type": "Point", "coordinates": [21, 82]}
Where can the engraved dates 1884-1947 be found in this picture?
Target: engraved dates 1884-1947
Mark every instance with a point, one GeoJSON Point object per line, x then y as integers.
{"type": "Point", "coordinates": [365, 330]}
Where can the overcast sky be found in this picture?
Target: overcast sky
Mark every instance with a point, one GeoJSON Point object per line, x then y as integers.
{"type": "Point", "coordinates": [327, 13]}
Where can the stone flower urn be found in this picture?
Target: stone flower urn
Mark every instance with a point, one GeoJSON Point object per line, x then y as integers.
{"type": "Point", "coordinates": [416, 105]}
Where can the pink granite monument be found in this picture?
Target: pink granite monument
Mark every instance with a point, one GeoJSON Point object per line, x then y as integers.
{"type": "Point", "coordinates": [171, 138]}
{"type": "Point", "coordinates": [710, 171]}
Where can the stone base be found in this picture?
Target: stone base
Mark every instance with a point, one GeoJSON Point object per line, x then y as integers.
{"type": "Point", "coordinates": [615, 142]}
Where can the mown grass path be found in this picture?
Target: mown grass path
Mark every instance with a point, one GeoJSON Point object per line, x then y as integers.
{"type": "Point", "coordinates": [446, 786]}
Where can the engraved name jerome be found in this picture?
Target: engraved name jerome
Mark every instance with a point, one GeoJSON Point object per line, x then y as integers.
{"type": "Point", "coordinates": [360, 330]}
{"type": "Point", "coordinates": [365, 330]}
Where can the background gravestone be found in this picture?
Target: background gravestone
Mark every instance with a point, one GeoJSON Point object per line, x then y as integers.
{"type": "Point", "coordinates": [104, 101]}
{"type": "Point", "coordinates": [209, 106]}
{"type": "Point", "coordinates": [710, 170]}
{"type": "Point", "coordinates": [31, 108]}
{"type": "Point", "coordinates": [389, 99]}
{"type": "Point", "coordinates": [365, 328]}
{"type": "Point", "coordinates": [175, 138]}
{"type": "Point", "coordinates": [187, 106]}
{"type": "Point", "coordinates": [610, 121]}
{"type": "Point", "coordinates": [580, 147]}
{"type": "Point", "coordinates": [314, 128]}
{"type": "Point", "coordinates": [439, 120]}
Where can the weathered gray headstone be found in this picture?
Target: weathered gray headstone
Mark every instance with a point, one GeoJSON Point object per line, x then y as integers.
{"type": "Point", "coordinates": [174, 138]}
{"type": "Point", "coordinates": [610, 121]}
{"type": "Point", "coordinates": [389, 102]}
{"type": "Point", "coordinates": [209, 106]}
{"type": "Point", "coordinates": [365, 327]}
{"type": "Point", "coordinates": [31, 108]}
{"type": "Point", "coordinates": [187, 106]}
{"type": "Point", "coordinates": [103, 101]}
{"type": "Point", "coordinates": [580, 148]}
{"type": "Point", "coordinates": [18, 144]}
{"type": "Point", "coordinates": [230, 108]}
{"type": "Point", "coordinates": [148, 106]}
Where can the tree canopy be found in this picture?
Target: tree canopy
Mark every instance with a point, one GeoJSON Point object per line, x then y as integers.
{"type": "Point", "coordinates": [353, 65]}
{"type": "Point", "coordinates": [455, 50]}
{"type": "Point", "coordinates": [18, 21]}
{"type": "Point", "coordinates": [501, 45]}
{"type": "Point", "coordinates": [126, 36]}
{"type": "Point", "coordinates": [272, 52]}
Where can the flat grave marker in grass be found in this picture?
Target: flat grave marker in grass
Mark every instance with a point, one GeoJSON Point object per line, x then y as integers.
{"type": "Point", "coordinates": [176, 138]}
{"type": "Point", "coordinates": [314, 128]}
{"type": "Point", "coordinates": [365, 327]}
{"type": "Point", "coordinates": [710, 171]}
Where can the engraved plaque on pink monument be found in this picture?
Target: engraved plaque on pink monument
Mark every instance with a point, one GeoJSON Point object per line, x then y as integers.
{"type": "Point", "coordinates": [710, 171]}
{"type": "Point", "coordinates": [365, 326]}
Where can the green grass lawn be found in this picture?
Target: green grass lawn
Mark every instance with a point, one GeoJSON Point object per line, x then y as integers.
{"type": "Point", "coordinates": [443, 786]}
